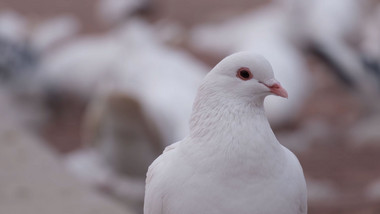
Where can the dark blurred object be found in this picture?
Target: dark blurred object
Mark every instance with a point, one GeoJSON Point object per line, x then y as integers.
{"type": "Point", "coordinates": [334, 32]}
{"type": "Point", "coordinates": [372, 66]}
{"type": "Point", "coordinates": [17, 61]}
{"type": "Point", "coordinates": [325, 56]}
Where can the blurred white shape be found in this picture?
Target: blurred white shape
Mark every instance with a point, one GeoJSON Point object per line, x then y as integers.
{"type": "Point", "coordinates": [53, 31]}
{"type": "Point", "coordinates": [325, 19]}
{"type": "Point", "coordinates": [131, 59]}
{"type": "Point", "coordinates": [80, 65]}
{"type": "Point", "coordinates": [263, 31]}
{"type": "Point", "coordinates": [112, 11]}
{"type": "Point", "coordinates": [164, 80]}
{"type": "Point", "coordinates": [13, 26]}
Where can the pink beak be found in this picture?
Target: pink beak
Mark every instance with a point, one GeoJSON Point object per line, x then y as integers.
{"type": "Point", "coordinates": [275, 87]}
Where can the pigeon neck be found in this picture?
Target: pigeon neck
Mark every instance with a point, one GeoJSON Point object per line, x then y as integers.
{"type": "Point", "coordinates": [229, 132]}
{"type": "Point", "coordinates": [228, 119]}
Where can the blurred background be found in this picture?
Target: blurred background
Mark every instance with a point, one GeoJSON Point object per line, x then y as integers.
{"type": "Point", "coordinates": [91, 91]}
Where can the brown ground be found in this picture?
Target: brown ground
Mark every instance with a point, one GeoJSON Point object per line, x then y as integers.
{"type": "Point", "coordinates": [350, 170]}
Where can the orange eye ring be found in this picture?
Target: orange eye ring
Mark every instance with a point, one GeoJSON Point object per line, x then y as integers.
{"type": "Point", "coordinates": [244, 74]}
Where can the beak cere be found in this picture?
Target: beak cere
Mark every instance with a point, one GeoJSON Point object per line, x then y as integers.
{"type": "Point", "coordinates": [276, 88]}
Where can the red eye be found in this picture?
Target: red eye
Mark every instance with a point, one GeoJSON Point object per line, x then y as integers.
{"type": "Point", "coordinates": [244, 74]}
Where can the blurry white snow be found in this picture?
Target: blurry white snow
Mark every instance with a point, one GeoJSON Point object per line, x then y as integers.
{"type": "Point", "coordinates": [131, 59]}
{"type": "Point", "coordinates": [54, 30]}
{"type": "Point", "coordinates": [13, 26]}
{"type": "Point", "coordinates": [112, 11]}
{"type": "Point", "coordinates": [264, 31]}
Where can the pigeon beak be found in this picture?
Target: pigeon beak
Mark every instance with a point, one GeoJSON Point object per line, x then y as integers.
{"type": "Point", "coordinates": [275, 87]}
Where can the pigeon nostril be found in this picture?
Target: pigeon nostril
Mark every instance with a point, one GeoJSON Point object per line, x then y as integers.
{"type": "Point", "coordinates": [271, 83]}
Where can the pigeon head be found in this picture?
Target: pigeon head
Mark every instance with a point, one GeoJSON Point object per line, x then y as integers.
{"type": "Point", "coordinates": [234, 90]}
{"type": "Point", "coordinates": [244, 75]}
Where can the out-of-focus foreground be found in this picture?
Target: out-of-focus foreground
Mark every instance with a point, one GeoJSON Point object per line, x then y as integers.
{"type": "Point", "coordinates": [92, 91]}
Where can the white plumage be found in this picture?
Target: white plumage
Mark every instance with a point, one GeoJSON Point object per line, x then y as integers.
{"type": "Point", "coordinates": [231, 162]}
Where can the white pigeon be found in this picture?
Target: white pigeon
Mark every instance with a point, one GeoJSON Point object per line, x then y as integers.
{"type": "Point", "coordinates": [231, 162]}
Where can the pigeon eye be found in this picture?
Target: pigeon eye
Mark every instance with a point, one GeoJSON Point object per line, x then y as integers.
{"type": "Point", "coordinates": [244, 74]}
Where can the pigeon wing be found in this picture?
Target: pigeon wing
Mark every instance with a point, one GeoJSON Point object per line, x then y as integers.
{"type": "Point", "coordinates": [154, 189]}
